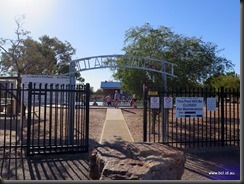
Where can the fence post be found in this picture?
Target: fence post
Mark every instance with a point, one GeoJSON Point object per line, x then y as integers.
{"type": "Point", "coordinates": [29, 117]}
{"type": "Point", "coordinates": [164, 112]}
{"type": "Point", "coordinates": [222, 116]}
{"type": "Point", "coordinates": [71, 103]}
{"type": "Point", "coordinates": [145, 90]}
{"type": "Point", "coordinates": [87, 114]}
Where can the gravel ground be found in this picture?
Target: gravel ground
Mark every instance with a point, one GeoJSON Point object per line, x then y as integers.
{"type": "Point", "coordinates": [215, 163]}
{"type": "Point", "coordinates": [97, 118]}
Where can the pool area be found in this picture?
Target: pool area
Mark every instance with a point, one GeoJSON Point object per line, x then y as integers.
{"type": "Point", "coordinates": [122, 104]}
{"type": "Point", "coordinates": [98, 103]}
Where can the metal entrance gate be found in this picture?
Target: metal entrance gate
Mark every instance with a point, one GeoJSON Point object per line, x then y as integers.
{"type": "Point", "coordinates": [53, 119]}
{"type": "Point", "coordinates": [58, 119]}
{"type": "Point", "coordinates": [216, 128]}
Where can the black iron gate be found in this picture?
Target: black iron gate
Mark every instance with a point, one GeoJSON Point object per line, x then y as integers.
{"type": "Point", "coordinates": [52, 119]}
{"type": "Point", "coordinates": [58, 119]}
{"type": "Point", "coordinates": [219, 127]}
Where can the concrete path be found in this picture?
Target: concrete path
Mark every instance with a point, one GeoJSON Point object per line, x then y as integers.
{"type": "Point", "coordinates": [115, 128]}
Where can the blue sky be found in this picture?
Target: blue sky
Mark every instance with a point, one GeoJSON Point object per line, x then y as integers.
{"type": "Point", "coordinates": [97, 27]}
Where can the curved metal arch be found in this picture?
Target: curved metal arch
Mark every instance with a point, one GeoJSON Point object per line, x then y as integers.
{"type": "Point", "coordinates": [126, 61]}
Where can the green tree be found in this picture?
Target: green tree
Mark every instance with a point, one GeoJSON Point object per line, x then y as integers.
{"type": "Point", "coordinates": [32, 57]}
{"type": "Point", "coordinates": [228, 80]}
{"type": "Point", "coordinates": [197, 60]}
{"type": "Point", "coordinates": [56, 53]}
{"type": "Point", "coordinates": [12, 60]}
{"type": "Point", "coordinates": [24, 55]}
{"type": "Point", "coordinates": [99, 91]}
{"type": "Point", "coordinates": [27, 56]}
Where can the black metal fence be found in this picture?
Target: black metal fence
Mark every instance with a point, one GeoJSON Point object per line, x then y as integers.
{"type": "Point", "coordinates": [218, 127]}
{"type": "Point", "coordinates": [51, 119]}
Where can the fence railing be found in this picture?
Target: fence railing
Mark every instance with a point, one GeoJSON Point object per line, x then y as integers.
{"type": "Point", "coordinates": [220, 127]}
{"type": "Point", "coordinates": [44, 119]}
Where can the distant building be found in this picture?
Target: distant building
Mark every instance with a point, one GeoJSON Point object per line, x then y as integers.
{"type": "Point", "coordinates": [109, 87]}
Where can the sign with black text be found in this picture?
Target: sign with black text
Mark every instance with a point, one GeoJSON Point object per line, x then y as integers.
{"type": "Point", "coordinates": [189, 107]}
{"type": "Point", "coordinates": [43, 80]}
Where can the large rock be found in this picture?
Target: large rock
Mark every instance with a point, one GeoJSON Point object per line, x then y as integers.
{"type": "Point", "coordinates": [136, 161]}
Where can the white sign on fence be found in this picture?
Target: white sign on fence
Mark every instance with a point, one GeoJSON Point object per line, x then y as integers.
{"type": "Point", "coordinates": [211, 104]}
{"type": "Point", "coordinates": [44, 79]}
{"type": "Point", "coordinates": [154, 102]}
{"type": "Point", "coordinates": [189, 107]}
{"type": "Point", "coordinates": [168, 102]}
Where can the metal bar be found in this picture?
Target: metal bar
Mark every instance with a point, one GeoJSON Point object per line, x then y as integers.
{"type": "Point", "coordinates": [61, 114]}
{"type": "Point", "coordinates": [149, 123]}
{"type": "Point", "coordinates": [172, 117]}
{"type": "Point", "coordinates": [159, 122]}
{"type": "Point", "coordinates": [66, 116]}
{"type": "Point", "coordinates": [238, 117]}
{"type": "Point", "coordinates": [219, 118]}
{"type": "Point", "coordinates": [39, 119]}
{"type": "Point", "coordinates": [181, 125]}
{"type": "Point", "coordinates": [226, 109]}
{"type": "Point", "coordinates": [45, 116]}
{"type": "Point", "coordinates": [17, 124]}
{"type": "Point", "coordinates": [23, 116]}
{"type": "Point", "coordinates": [185, 118]}
{"type": "Point", "coordinates": [189, 122]}
{"type": "Point", "coordinates": [50, 115]}
{"type": "Point", "coordinates": [118, 56]}
{"type": "Point", "coordinates": [210, 121]}
{"type": "Point", "coordinates": [222, 117]}
{"type": "Point", "coordinates": [194, 122]}
{"type": "Point", "coordinates": [198, 125]}
{"type": "Point", "coordinates": [29, 117]}
{"type": "Point", "coordinates": [214, 120]}
{"type": "Point", "coordinates": [230, 112]}
{"type": "Point", "coordinates": [11, 120]}
{"type": "Point", "coordinates": [5, 120]}
{"type": "Point", "coordinates": [145, 90]}
{"type": "Point", "coordinates": [206, 122]}
{"type": "Point", "coordinates": [234, 114]}
{"type": "Point", "coordinates": [87, 114]}
{"type": "Point", "coordinates": [164, 115]}
{"type": "Point", "coordinates": [33, 119]}
{"type": "Point", "coordinates": [56, 115]}
{"type": "Point", "coordinates": [113, 58]}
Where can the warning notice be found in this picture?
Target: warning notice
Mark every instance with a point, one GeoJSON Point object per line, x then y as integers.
{"type": "Point", "coordinates": [168, 102]}
{"type": "Point", "coordinates": [154, 102]}
{"type": "Point", "coordinates": [189, 107]}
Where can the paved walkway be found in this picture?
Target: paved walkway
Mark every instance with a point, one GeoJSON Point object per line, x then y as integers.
{"type": "Point", "coordinates": [115, 128]}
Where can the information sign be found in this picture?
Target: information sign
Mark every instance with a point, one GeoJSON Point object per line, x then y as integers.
{"type": "Point", "coordinates": [189, 107]}
{"type": "Point", "coordinates": [211, 104]}
{"type": "Point", "coordinates": [154, 102]}
{"type": "Point", "coordinates": [45, 79]}
{"type": "Point", "coordinates": [168, 102]}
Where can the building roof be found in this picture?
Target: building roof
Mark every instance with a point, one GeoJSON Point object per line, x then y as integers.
{"type": "Point", "coordinates": [110, 85]}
